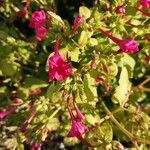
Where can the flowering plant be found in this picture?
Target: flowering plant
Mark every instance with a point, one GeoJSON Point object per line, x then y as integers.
{"type": "Point", "coordinates": [83, 80]}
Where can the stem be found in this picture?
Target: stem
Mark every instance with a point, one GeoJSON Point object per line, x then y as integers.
{"type": "Point", "coordinates": [126, 132]}
{"type": "Point", "coordinates": [55, 112]}
{"type": "Point", "coordinates": [114, 39]}
{"type": "Point", "coordinates": [140, 10]}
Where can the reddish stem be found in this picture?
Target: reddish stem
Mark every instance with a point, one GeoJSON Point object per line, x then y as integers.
{"type": "Point", "coordinates": [116, 40]}
{"type": "Point", "coordinates": [57, 46]}
{"type": "Point", "coordinates": [143, 12]}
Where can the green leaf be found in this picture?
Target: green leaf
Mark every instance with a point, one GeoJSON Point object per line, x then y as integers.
{"type": "Point", "coordinates": [90, 89]}
{"type": "Point", "coordinates": [55, 18]}
{"type": "Point", "coordinates": [34, 83]}
{"type": "Point", "coordinates": [83, 39]}
{"type": "Point", "coordinates": [121, 93]}
{"type": "Point", "coordinates": [70, 141]}
{"type": "Point", "coordinates": [92, 119]}
{"type": "Point", "coordinates": [53, 124]}
{"type": "Point", "coordinates": [107, 132]}
{"type": "Point", "coordinates": [93, 42]}
{"type": "Point", "coordinates": [7, 68]}
{"type": "Point", "coordinates": [53, 92]}
{"type": "Point", "coordinates": [75, 55]}
{"type": "Point", "coordinates": [84, 12]}
{"type": "Point", "coordinates": [129, 62]}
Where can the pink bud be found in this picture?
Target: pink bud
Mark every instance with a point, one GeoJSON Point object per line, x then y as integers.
{"type": "Point", "coordinates": [145, 3]}
{"type": "Point", "coordinates": [78, 21]}
{"type": "Point", "coordinates": [6, 113]}
{"type": "Point", "coordinates": [36, 92]}
{"type": "Point", "coordinates": [120, 10]}
{"type": "Point", "coordinates": [126, 45]}
{"type": "Point", "coordinates": [59, 69]}
{"type": "Point", "coordinates": [23, 11]}
{"type": "Point", "coordinates": [16, 102]}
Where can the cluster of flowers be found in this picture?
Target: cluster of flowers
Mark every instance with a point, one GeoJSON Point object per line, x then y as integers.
{"type": "Point", "coordinates": [60, 69]}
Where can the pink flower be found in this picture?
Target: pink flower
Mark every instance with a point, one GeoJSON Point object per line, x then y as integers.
{"type": "Point", "coordinates": [35, 146]}
{"type": "Point", "coordinates": [78, 128]}
{"type": "Point", "coordinates": [41, 33]}
{"type": "Point", "coordinates": [145, 3]}
{"type": "Point", "coordinates": [23, 11]}
{"type": "Point", "coordinates": [59, 69]}
{"type": "Point", "coordinates": [6, 113]}
{"type": "Point", "coordinates": [126, 45]}
{"type": "Point", "coordinates": [120, 10]}
{"type": "Point", "coordinates": [78, 21]}
{"type": "Point", "coordinates": [27, 122]}
{"type": "Point", "coordinates": [38, 19]}
{"type": "Point", "coordinates": [16, 102]}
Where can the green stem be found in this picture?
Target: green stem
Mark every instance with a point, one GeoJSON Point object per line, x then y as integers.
{"type": "Point", "coordinates": [126, 132]}
{"type": "Point", "coordinates": [55, 112]}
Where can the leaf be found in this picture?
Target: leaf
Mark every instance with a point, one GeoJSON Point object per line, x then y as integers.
{"type": "Point", "coordinates": [56, 19]}
{"type": "Point", "coordinates": [121, 92]}
{"type": "Point", "coordinates": [90, 89]}
{"type": "Point", "coordinates": [84, 12]}
{"type": "Point", "coordinates": [93, 42]}
{"type": "Point", "coordinates": [92, 119]}
{"type": "Point", "coordinates": [7, 68]}
{"type": "Point", "coordinates": [83, 39]}
{"type": "Point", "coordinates": [75, 55]}
{"type": "Point", "coordinates": [107, 132]}
{"type": "Point", "coordinates": [70, 141]}
{"type": "Point", "coordinates": [53, 124]}
{"type": "Point", "coordinates": [129, 62]}
{"type": "Point", "coordinates": [34, 83]}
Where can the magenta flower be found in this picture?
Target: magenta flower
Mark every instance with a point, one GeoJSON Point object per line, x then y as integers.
{"type": "Point", "coordinates": [145, 3]}
{"type": "Point", "coordinates": [41, 33]}
{"type": "Point", "coordinates": [27, 122]}
{"type": "Point", "coordinates": [120, 10]}
{"type": "Point", "coordinates": [16, 102]}
{"type": "Point", "coordinates": [78, 21]}
{"type": "Point", "coordinates": [126, 45]}
{"type": "Point", "coordinates": [59, 69]}
{"type": "Point", "coordinates": [23, 11]}
{"type": "Point", "coordinates": [38, 19]}
{"type": "Point", "coordinates": [78, 128]}
{"type": "Point", "coordinates": [6, 113]}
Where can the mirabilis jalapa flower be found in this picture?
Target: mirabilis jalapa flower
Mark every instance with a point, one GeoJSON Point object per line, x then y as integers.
{"type": "Point", "coordinates": [77, 127]}
{"type": "Point", "coordinates": [38, 22]}
{"type": "Point", "coordinates": [145, 3]}
{"type": "Point", "coordinates": [127, 45]}
{"type": "Point", "coordinates": [59, 69]}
